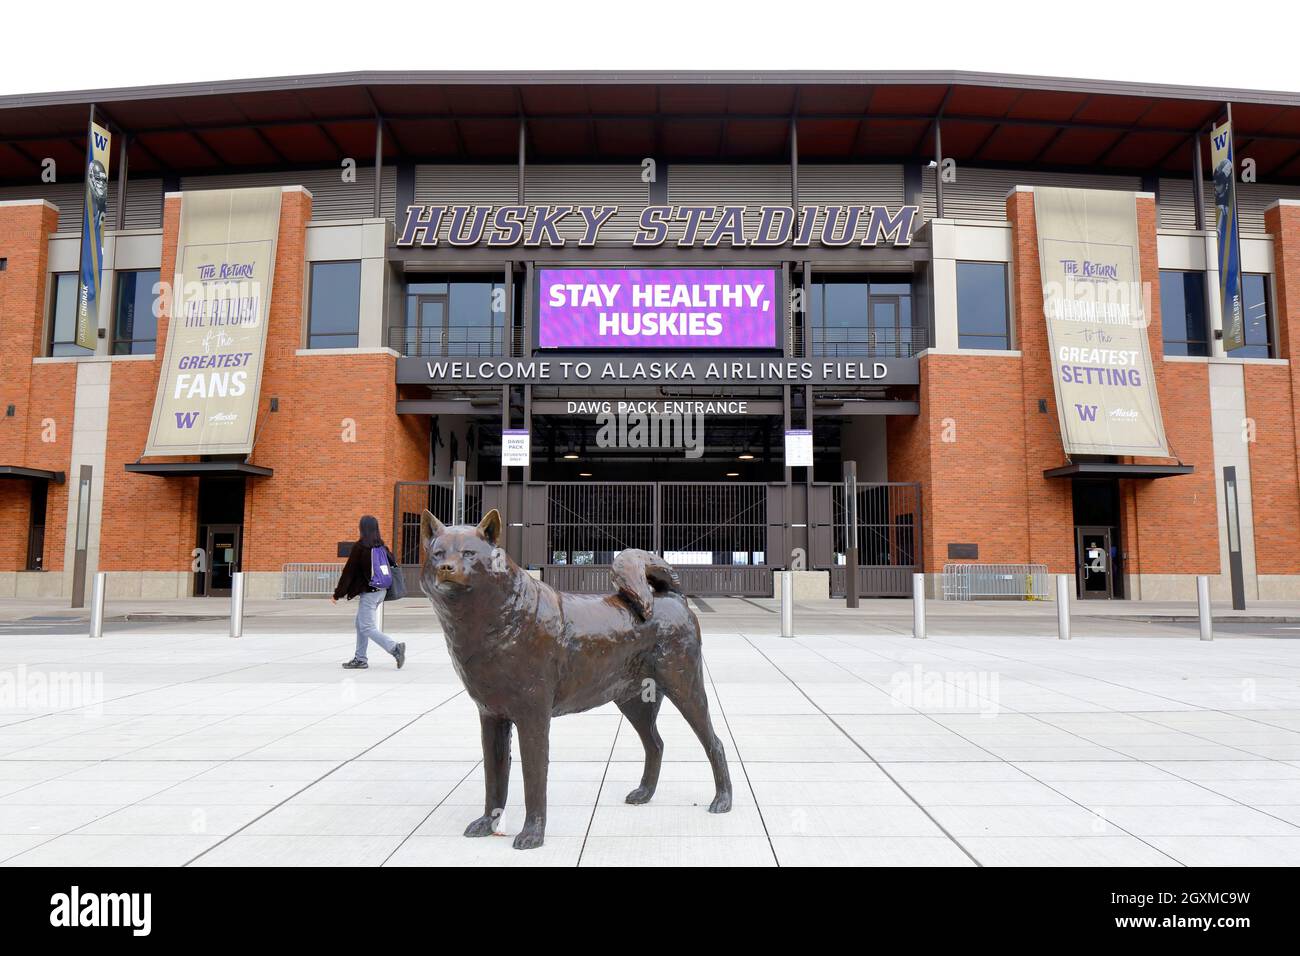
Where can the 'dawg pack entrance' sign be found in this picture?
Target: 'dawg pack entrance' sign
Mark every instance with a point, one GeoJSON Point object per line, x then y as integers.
{"type": "Point", "coordinates": [657, 308]}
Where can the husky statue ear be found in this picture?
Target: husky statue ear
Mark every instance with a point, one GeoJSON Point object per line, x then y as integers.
{"type": "Point", "coordinates": [489, 528]}
{"type": "Point", "coordinates": [430, 528]}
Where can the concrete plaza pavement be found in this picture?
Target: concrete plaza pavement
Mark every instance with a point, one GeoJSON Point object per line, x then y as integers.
{"type": "Point", "coordinates": [991, 743]}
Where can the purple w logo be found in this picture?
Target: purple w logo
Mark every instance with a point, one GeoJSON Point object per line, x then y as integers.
{"type": "Point", "coordinates": [1087, 413]}
{"type": "Point", "coordinates": [186, 419]}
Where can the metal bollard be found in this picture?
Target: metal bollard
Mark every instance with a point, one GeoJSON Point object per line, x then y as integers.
{"type": "Point", "coordinates": [237, 604]}
{"type": "Point", "coordinates": [1203, 607]}
{"type": "Point", "coordinates": [97, 604]}
{"type": "Point", "coordinates": [787, 603]}
{"type": "Point", "coordinates": [379, 616]}
{"type": "Point", "coordinates": [1063, 606]}
{"type": "Point", "coordinates": [918, 606]}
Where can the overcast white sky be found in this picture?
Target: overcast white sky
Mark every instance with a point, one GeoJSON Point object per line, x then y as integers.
{"type": "Point", "coordinates": [148, 42]}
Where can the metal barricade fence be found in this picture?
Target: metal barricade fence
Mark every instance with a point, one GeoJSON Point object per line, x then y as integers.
{"type": "Point", "coordinates": [995, 582]}
{"type": "Point", "coordinates": [310, 579]}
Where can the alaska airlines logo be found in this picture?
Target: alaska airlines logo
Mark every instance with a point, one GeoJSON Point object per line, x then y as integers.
{"type": "Point", "coordinates": [1086, 269]}
{"type": "Point", "coordinates": [1124, 413]}
{"type": "Point", "coordinates": [186, 419]}
{"type": "Point", "coordinates": [1087, 413]}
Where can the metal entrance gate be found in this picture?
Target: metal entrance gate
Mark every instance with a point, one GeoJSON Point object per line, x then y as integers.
{"type": "Point", "coordinates": [724, 538]}
{"type": "Point", "coordinates": [719, 536]}
{"type": "Point", "coordinates": [411, 498]}
{"type": "Point", "coordinates": [889, 537]}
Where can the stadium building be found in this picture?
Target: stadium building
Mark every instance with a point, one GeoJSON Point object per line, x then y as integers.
{"type": "Point", "coordinates": [653, 310]}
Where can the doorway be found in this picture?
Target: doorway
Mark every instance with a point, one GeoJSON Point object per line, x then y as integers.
{"type": "Point", "coordinates": [430, 325]}
{"type": "Point", "coordinates": [1098, 560]}
{"type": "Point", "coordinates": [219, 535]}
{"type": "Point", "coordinates": [1092, 547]}
{"type": "Point", "coordinates": [222, 548]}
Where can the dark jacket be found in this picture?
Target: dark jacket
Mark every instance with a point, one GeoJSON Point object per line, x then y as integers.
{"type": "Point", "coordinates": [355, 578]}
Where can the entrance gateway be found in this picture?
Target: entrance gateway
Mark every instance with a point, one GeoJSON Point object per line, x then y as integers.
{"type": "Point", "coordinates": [724, 538]}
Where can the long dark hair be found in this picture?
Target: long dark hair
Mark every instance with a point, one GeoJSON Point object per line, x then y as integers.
{"type": "Point", "coordinates": [370, 536]}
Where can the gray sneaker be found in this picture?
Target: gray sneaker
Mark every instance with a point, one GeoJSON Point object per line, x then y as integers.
{"type": "Point", "coordinates": [399, 652]}
{"type": "Point", "coordinates": [356, 664]}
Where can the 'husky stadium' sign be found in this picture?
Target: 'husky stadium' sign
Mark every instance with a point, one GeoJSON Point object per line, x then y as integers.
{"type": "Point", "coordinates": [709, 226]}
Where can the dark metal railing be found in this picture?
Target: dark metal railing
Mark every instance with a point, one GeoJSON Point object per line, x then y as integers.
{"type": "Point", "coordinates": [454, 341]}
{"type": "Point", "coordinates": [903, 342]}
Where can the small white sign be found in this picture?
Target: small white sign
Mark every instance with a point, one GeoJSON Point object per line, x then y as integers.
{"type": "Point", "coordinates": [798, 449]}
{"type": "Point", "coordinates": [514, 448]}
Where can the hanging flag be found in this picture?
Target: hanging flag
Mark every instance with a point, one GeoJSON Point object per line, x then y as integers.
{"type": "Point", "coordinates": [1223, 165]}
{"type": "Point", "coordinates": [92, 236]}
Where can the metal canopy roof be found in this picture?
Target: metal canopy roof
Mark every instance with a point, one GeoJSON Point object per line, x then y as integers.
{"type": "Point", "coordinates": [468, 117]}
{"type": "Point", "coordinates": [198, 469]}
{"type": "Point", "coordinates": [1106, 469]}
{"type": "Point", "coordinates": [36, 474]}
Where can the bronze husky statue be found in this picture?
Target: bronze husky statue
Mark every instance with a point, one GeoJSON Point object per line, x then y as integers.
{"type": "Point", "coordinates": [527, 653]}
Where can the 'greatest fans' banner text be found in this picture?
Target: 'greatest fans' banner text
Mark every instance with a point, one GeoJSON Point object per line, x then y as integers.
{"type": "Point", "coordinates": [1097, 322]}
{"type": "Point", "coordinates": [212, 370]}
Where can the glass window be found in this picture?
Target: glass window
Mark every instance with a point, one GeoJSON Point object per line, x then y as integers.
{"type": "Point", "coordinates": [1254, 296]}
{"type": "Point", "coordinates": [982, 314]}
{"type": "Point", "coordinates": [854, 316]}
{"type": "Point", "coordinates": [63, 316]}
{"type": "Point", "coordinates": [135, 323]}
{"type": "Point", "coordinates": [335, 305]}
{"type": "Point", "coordinates": [454, 315]}
{"type": "Point", "coordinates": [1182, 313]}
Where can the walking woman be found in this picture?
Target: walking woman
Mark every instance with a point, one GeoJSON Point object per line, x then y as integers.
{"type": "Point", "coordinates": [367, 575]}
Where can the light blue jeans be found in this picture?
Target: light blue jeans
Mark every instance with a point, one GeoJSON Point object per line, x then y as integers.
{"type": "Point", "coordinates": [367, 630]}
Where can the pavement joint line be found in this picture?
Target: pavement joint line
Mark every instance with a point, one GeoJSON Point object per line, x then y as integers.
{"type": "Point", "coordinates": [851, 739]}
{"type": "Point", "coordinates": [175, 783]}
{"type": "Point", "coordinates": [604, 776]}
{"type": "Point", "coordinates": [722, 711]}
{"type": "Point", "coordinates": [127, 719]}
{"type": "Point", "coordinates": [1135, 714]}
{"type": "Point", "coordinates": [323, 776]}
{"type": "Point", "coordinates": [150, 690]}
{"type": "Point", "coordinates": [999, 758]}
{"type": "Point", "coordinates": [424, 819]}
{"type": "Point", "coordinates": [1007, 657]}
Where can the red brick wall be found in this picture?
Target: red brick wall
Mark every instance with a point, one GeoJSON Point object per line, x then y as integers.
{"type": "Point", "coordinates": [37, 392]}
{"type": "Point", "coordinates": [322, 483]}
{"type": "Point", "coordinates": [157, 516]}
{"type": "Point", "coordinates": [986, 486]}
{"type": "Point", "coordinates": [967, 450]}
{"type": "Point", "coordinates": [1173, 524]}
{"type": "Point", "coordinates": [1271, 401]}
{"type": "Point", "coordinates": [1049, 503]}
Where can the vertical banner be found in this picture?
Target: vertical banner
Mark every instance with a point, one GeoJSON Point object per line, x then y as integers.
{"type": "Point", "coordinates": [92, 235]}
{"type": "Point", "coordinates": [1094, 303]}
{"type": "Point", "coordinates": [1223, 167]}
{"type": "Point", "coordinates": [212, 368]}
